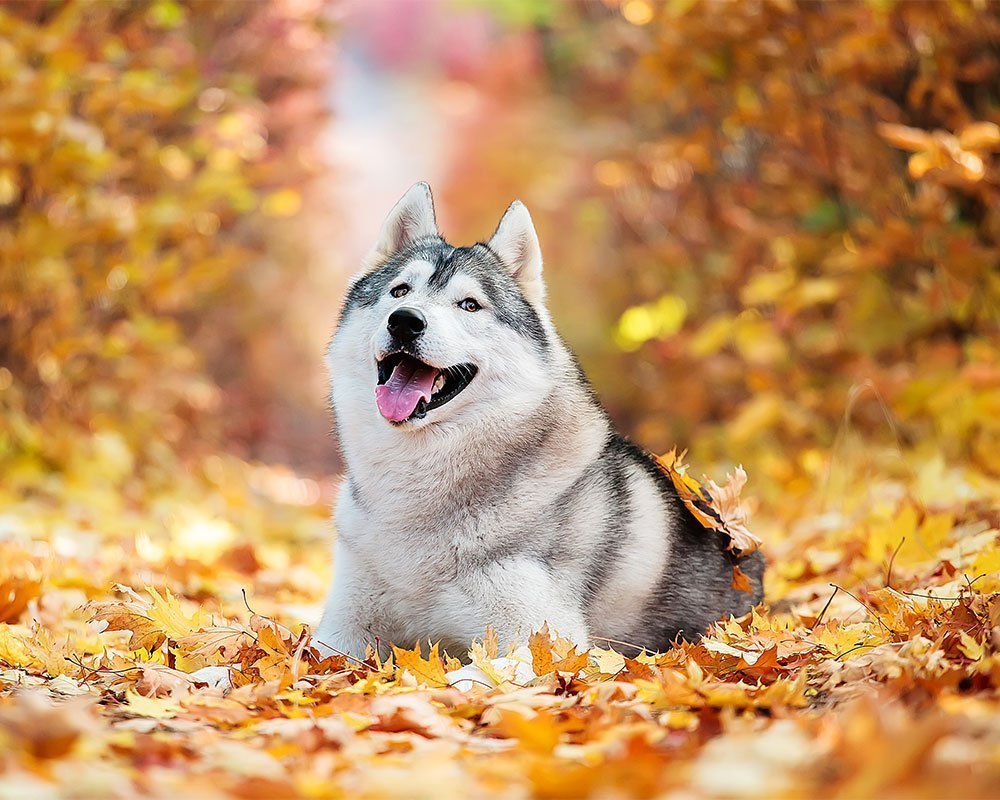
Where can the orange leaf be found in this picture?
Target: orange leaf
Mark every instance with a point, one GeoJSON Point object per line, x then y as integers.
{"type": "Point", "coordinates": [540, 645]}
{"type": "Point", "coordinates": [15, 594]}
{"type": "Point", "coordinates": [573, 662]}
{"type": "Point", "coordinates": [980, 136]}
{"type": "Point", "coordinates": [717, 508]}
{"type": "Point", "coordinates": [430, 670]}
{"type": "Point", "coordinates": [740, 581]}
{"type": "Point", "coordinates": [903, 137]}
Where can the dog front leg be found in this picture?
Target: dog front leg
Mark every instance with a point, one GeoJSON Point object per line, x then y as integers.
{"type": "Point", "coordinates": [518, 596]}
{"type": "Point", "coordinates": [346, 627]}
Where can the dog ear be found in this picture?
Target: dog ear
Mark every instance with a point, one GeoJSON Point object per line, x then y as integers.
{"type": "Point", "coordinates": [516, 243]}
{"type": "Point", "coordinates": [411, 218]}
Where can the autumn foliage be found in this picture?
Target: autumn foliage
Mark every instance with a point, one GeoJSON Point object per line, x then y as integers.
{"type": "Point", "coordinates": [146, 146]}
{"type": "Point", "coordinates": [807, 201]}
{"type": "Point", "coordinates": [772, 232]}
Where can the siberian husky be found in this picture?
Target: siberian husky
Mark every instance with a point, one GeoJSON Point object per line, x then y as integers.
{"type": "Point", "coordinates": [485, 485]}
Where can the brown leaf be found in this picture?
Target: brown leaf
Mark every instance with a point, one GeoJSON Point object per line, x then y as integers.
{"type": "Point", "coordinates": [715, 507]}
{"type": "Point", "coordinates": [740, 580]}
{"type": "Point", "coordinates": [146, 634]}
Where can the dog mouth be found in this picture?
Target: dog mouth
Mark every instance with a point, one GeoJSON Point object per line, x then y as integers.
{"type": "Point", "coordinates": [408, 388]}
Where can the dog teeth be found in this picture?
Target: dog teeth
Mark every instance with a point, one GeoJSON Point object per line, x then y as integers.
{"type": "Point", "coordinates": [438, 384]}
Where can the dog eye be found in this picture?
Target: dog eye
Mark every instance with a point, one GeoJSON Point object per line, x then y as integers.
{"type": "Point", "coordinates": [400, 291]}
{"type": "Point", "coordinates": [468, 304]}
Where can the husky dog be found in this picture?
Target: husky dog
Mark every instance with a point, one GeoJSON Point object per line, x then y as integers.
{"type": "Point", "coordinates": [485, 485]}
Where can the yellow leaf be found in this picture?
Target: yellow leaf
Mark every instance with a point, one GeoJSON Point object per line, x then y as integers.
{"type": "Point", "coordinates": [979, 136]}
{"type": "Point", "coordinates": [429, 671]}
{"type": "Point", "coordinates": [154, 707]}
{"type": "Point", "coordinates": [987, 562]}
{"type": "Point", "coordinates": [167, 613]}
{"type": "Point", "coordinates": [13, 650]}
{"type": "Point", "coordinates": [540, 645]}
{"type": "Point", "coordinates": [608, 662]}
{"type": "Point", "coordinates": [970, 647]}
{"type": "Point", "coordinates": [883, 538]}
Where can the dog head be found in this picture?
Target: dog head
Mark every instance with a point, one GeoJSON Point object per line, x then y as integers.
{"type": "Point", "coordinates": [434, 336]}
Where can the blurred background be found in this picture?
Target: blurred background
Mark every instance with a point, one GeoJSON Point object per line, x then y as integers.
{"type": "Point", "coordinates": [771, 229]}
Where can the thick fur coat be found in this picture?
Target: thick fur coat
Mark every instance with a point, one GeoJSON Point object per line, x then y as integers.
{"type": "Point", "coordinates": [504, 499]}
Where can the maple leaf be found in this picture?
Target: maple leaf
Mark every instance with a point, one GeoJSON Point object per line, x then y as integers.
{"type": "Point", "coordinates": [273, 653]}
{"type": "Point", "coordinates": [158, 680]}
{"type": "Point", "coordinates": [151, 621]}
{"type": "Point", "coordinates": [166, 612]}
{"type": "Point", "coordinates": [146, 634]}
{"type": "Point", "coordinates": [221, 643]}
{"type": "Point", "coordinates": [428, 670]}
{"type": "Point", "coordinates": [156, 707]}
{"type": "Point", "coordinates": [715, 507]}
{"type": "Point", "coordinates": [608, 662]}
{"type": "Point", "coordinates": [13, 648]}
{"type": "Point", "coordinates": [726, 503]}
{"type": "Point", "coordinates": [540, 645]}
{"type": "Point", "coordinates": [572, 662]}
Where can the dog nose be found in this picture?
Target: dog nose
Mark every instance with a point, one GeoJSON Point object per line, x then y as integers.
{"type": "Point", "coordinates": [406, 324]}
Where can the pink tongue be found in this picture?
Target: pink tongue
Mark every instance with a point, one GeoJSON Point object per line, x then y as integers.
{"type": "Point", "coordinates": [398, 396]}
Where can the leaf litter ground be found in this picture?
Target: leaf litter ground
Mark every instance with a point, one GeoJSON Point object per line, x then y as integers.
{"type": "Point", "coordinates": [153, 643]}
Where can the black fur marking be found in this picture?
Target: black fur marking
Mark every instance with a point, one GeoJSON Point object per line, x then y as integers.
{"type": "Point", "coordinates": [445, 266]}
{"type": "Point", "coordinates": [560, 512]}
{"type": "Point", "coordinates": [616, 525]}
{"type": "Point", "coordinates": [509, 303]}
{"type": "Point", "coordinates": [504, 296]}
{"type": "Point", "coordinates": [698, 562]}
{"type": "Point", "coordinates": [370, 287]}
{"type": "Point", "coordinates": [533, 440]}
{"type": "Point", "coordinates": [479, 261]}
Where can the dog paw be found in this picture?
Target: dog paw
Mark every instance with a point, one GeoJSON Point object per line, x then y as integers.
{"type": "Point", "coordinates": [215, 677]}
{"type": "Point", "coordinates": [464, 678]}
{"type": "Point", "coordinates": [514, 668]}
